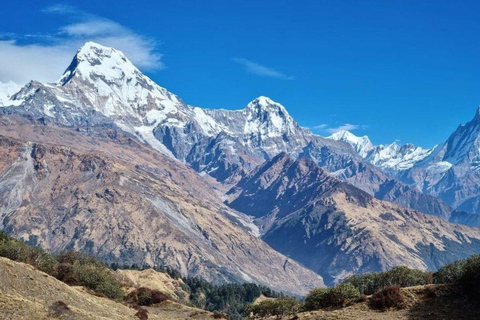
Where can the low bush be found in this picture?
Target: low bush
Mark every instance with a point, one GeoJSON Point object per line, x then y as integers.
{"type": "Point", "coordinates": [99, 279]}
{"type": "Point", "coordinates": [370, 283]}
{"type": "Point", "coordinates": [388, 298]}
{"type": "Point", "coordinates": [275, 307]}
{"type": "Point", "coordinates": [219, 315]}
{"type": "Point", "coordinates": [450, 273]}
{"type": "Point", "coordinates": [469, 280]}
{"type": "Point", "coordinates": [320, 298]}
{"type": "Point", "coordinates": [146, 297]}
{"type": "Point", "coordinates": [316, 299]}
{"type": "Point", "coordinates": [343, 293]}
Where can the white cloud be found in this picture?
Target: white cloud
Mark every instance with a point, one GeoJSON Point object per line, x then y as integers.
{"type": "Point", "coordinates": [347, 127]}
{"type": "Point", "coordinates": [45, 57]}
{"type": "Point", "coordinates": [320, 126]}
{"type": "Point", "coordinates": [344, 127]}
{"type": "Point", "coordinates": [259, 70]}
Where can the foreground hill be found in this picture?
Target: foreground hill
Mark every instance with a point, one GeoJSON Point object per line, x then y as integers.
{"type": "Point", "coordinates": [26, 293]}
{"type": "Point", "coordinates": [430, 302]}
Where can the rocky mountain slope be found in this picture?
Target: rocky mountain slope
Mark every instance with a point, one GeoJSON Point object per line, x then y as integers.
{"type": "Point", "coordinates": [107, 194]}
{"type": "Point", "coordinates": [101, 86]}
{"type": "Point", "coordinates": [337, 229]}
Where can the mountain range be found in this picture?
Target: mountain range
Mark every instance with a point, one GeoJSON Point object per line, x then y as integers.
{"type": "Point", "coordinates": [448, 171]}
{"type": "Point", "coordinates": [108, 162]}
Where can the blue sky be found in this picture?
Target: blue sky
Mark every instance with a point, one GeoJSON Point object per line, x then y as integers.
{"type": "Point", "coordinates": [395, 70]}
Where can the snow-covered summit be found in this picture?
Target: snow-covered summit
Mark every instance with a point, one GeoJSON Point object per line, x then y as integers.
{"type": "Point", "coordinates": [362, 145]}
{"type": "Point", "coordinates": [268, 118]}
{"type": "Point", "coordinates": [395, 157]}
{"type": "Point", "coordinates": [391, 158]}
{"type": "Point", "coordinates": [112, 85]}
{"type": "Point", "coordinates": [93, 59]}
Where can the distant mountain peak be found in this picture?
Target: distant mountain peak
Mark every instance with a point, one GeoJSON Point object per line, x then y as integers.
{"type": "Point", "coordinates": [263, 103]}
{"type": "Point", "coordinates": [362, 145]}
{"type": "Point", "coordinates": [268, 118]}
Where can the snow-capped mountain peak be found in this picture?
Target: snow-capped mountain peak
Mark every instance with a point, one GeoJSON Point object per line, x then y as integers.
{"type": "Point", "coordinates": [362, 145]}
{"type": "Point", "coordinates": [93, 59]}
{"type": "Point", "coordinates": [112, 85]}
{"type": "Point", "coordinates": [268, 118]}
{"type": "Point", "coordinates": [391, 158]}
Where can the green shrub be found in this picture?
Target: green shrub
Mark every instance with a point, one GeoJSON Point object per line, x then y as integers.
{"type": "Point", "coordinates": [274, 307]}
{"type": "Point", "coordinates": [387, 298]}
{"type": "Point", "coordinates": [65, 272]}
{"type": "Point", "coordinates": [99, 279]}
{"type": "Point", "coordinates": [469, 280]}
{"type": "Point", "coordinates": [370, 283]}
{"type": "Point", "coordinates": [450, 273]}
{"type": "Point", "coordinates": [342, 293]}
{"type": "Point", "coordinates": [316, 299]}
{"type": "Point", "coordinates": [320, 298]}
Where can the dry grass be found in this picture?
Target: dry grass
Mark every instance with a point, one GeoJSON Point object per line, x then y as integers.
{"type": "Point", "coordinates": [26, 293]}
{"type": "Point", "coordinates": [431, 302]}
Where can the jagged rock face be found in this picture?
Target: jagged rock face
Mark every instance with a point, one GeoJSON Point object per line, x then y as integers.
{"type": "Point", "coordinates": [336, 229]}
{"type": "Point", "coordinates": [104, 193]}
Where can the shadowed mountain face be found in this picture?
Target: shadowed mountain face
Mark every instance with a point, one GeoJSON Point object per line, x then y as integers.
{"type": "Point", "coordinates": [337, 229]}
{"type": "Point", "coordinates": [104, 193]}
{"type": "Point", "coordinates": [101, 86]}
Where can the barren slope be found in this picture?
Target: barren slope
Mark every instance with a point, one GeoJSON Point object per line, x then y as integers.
{"type": "Point", "coordinates": [126, 203]}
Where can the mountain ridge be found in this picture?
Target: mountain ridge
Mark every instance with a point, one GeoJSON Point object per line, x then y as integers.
{"type": "Point", "coordinates": [337, 229]}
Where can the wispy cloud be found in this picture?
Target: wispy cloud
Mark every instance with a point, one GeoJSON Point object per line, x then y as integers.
{"type": "Point", "coordinates": [259, 70]}
{"type": "Point", "coordinates": [319, 127]}
{"type": "Point", "coordinates": [331, 130]}
{"type": "Point", "coordinates": [44, 57]}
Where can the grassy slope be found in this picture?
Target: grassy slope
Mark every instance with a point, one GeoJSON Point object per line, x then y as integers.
{"type": "Point", "coordinates": [26, 293]}
{"type": "Point", "coordinates": [432, 302]}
